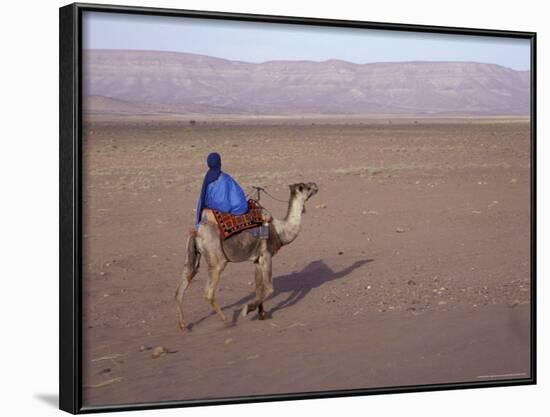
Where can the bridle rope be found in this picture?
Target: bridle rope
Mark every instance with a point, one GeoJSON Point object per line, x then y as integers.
{"type": "Point", "coordinates": [258, 191]}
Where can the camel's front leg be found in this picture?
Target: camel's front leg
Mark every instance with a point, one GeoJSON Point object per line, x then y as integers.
{"type": "Point", "coordinates": [267, 284]}
{"type": "Point", "coordinates": [264, 286]}
{"type": "Point", "coordinates": [214, 274]}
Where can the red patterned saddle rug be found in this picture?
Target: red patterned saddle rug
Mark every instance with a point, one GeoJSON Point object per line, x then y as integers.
{"type": "Point", "coordinates": [230, 224]}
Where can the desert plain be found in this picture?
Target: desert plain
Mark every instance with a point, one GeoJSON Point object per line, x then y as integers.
{"type": "Point", "coordinates": [412, 265]}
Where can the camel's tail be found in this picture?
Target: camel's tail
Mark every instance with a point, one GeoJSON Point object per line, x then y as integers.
{"type": "Point", "coordinates": [193, 255]}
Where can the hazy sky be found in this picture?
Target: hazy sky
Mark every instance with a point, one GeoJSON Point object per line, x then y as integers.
{"type": "Point", "coordinates": [259, 42]}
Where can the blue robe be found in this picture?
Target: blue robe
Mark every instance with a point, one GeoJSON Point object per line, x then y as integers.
{"type": "Point", "coordinates": [224, 195]}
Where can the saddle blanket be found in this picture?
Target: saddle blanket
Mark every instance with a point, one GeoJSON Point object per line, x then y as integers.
{"type": "Point", "coordinates": [230, 224]}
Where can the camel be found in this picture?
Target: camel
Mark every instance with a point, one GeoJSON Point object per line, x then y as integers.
{"type": "Point", "coordinates": [242, 247]}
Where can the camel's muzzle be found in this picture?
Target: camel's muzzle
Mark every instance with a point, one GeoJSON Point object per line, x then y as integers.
{"type": "Point", "coordinates": [313, 189]}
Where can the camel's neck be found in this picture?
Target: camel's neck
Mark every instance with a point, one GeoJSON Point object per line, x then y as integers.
{"type": "Point", "coordinates": [289, 227]}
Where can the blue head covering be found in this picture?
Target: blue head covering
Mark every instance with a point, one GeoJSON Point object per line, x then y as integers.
{"type": "Point", "coordinates": [214, 162]}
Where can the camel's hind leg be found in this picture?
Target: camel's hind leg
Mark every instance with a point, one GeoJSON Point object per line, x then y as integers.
{"type": "Point", "coordinates": [214, 272]}
{"type": "Point", "coordinates": [187, 275]}
{"type": "Point", "coordinates": [190, 269]}
{"type": "Point", "coordinates": [264, 287]}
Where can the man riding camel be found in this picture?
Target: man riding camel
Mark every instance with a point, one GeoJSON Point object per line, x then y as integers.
{"type": "Point", "coordinates": [220, 191]}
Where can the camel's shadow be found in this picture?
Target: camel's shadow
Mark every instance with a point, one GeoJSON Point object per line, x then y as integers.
{"type": "Point", "coordinates": [293, 287]}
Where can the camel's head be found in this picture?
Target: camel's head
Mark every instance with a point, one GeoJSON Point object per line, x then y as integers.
{"type": "Point", "coordinates": [303, 192]}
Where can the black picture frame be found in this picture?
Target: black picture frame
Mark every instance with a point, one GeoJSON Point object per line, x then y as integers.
{"type": "Point", "coordinates": [70, 203]}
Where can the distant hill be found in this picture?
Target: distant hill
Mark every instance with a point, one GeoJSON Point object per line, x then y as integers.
{"type": "Point", "coordinates": [118, 81]}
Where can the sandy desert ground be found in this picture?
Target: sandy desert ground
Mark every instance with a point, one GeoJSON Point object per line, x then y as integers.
{"type": "Point", "coordinates": [412, 266]}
